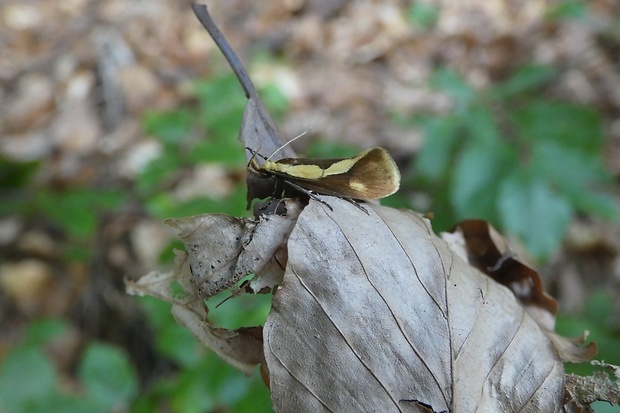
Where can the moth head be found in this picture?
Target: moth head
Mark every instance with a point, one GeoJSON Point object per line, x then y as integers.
{"type": "Point", "coordinates": [252, 165]}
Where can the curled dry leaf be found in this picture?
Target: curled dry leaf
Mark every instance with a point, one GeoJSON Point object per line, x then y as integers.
{"type": "Point", "coordinates": [584, 390]}
{"type": "Point", "coordinates": [376, 313]}
{"type": "Point", "coordinates": [482, 246]}
{"type": "Point", "coordinates": [222, 249]}
{"type": "Point", "coordinates": [571, 349]}
{"type": "Point", "coordinates": [488, 251]}
{"type": "Point", "coordinates": [241, 348]}
{"type": "Point", "coordinates": [373, 313]}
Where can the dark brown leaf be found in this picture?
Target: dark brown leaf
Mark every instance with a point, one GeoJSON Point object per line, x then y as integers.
{"type": "Point", "coordinates": [489, 252]}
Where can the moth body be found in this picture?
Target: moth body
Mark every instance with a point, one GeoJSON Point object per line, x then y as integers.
{"type": "Point", "coordinates": [372, 174]}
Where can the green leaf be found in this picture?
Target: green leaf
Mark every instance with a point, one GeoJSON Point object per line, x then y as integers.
{"type": "Point", "coordinates": [600, 306]}
{"type": "Point", "coordinates": [481, 126]}
{"type": "Point", "coordinates": [226, 385]}
{"type": "Point", "coordinates": [163, 205]}
{"type": "Point", "coordinates": [41, 331]}
{"type": "Point", "coordinates": [567, 9]}
{"type": "Point", "coordinates": [233, 389]}
{"type": "Point", "coordinates": [577, 175]}
{"type": "Point", "coordinates": [166, 255]}
{"type": "Point", "coordinates": [567, 167]}
{"type": "Point", "coordinates": [523, 80]}
{"type": "Point", "coordinates": [596, 319]}
{"type": "Point", "coordinates": [423, 15]}
{"type": "Point", "coordinates": [224, 150]}
{"type": "Point", "coordinates": [158, 312]}
{"type": "Point", "coordinates": [76, 210]}
{"type": "Point", "coordinates": [221, 108]}
{"type": "Point", "coordinates": [601, 204]}
{"type": "Point", "coordinates": [529, 208]}
{"type": "Point", "coordinates": [221, 105]}
{"type": "Point", "coordinates": [76, 252]}
{"type": "Point", "coordinates": [14, 174]}
{"type": "Point", "coordinates": [453, 84]}
{"type": "Point", "coordinates": [257, 399]}
{"type": "Point", "coordinates": [476, 177]}
{"type": "Point", "coordinates": [68, 211]}
{"type": "Point", "coordinates": [564, 123]}
{"type": "Point", "coordinates": [193, 393]}
{"type": "Point", "coordinates": [218, 94]}
{"type": "Point", "coordinates": [246, 310]}
{"type": "Point", "coordinates": [274, 100]}
{"type": "Point", "coordinates": [60, 403]}
{"type": "Point", "coordinates": [170, 128]}
{"type": "Point", "coordinates": [157, 171]}
{"type": "Point", "coordinates": [205, 380]}
{"type": "Point", "coordinates": [603, 407]}
{"type": "Point", "coordinates": [26, 375]}
{"type": "Point", "coordinates": [177, 343]}
{"type": "Point", "coordinates": [440, 139]}
{"type": "Point", "coordinates": [173, 340]}
{"type": "Point", "coordinates": [108, 376]}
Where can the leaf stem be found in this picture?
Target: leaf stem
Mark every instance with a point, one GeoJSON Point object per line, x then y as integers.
{"type": "Point", "coordinates": [200, 10]}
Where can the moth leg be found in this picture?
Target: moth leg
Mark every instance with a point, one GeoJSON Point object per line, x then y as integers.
{"type": "Point", "coordinates": [309, 193]}
{"type": "Point", "coordinates": [357, 204]}
{"type": "Point", "coordinates": [255, 153]}
{"type": "Point", "coordinates": [316, 198]}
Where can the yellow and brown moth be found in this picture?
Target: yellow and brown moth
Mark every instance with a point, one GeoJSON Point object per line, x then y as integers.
{"type": "Point", "coordinates": [372, 174]}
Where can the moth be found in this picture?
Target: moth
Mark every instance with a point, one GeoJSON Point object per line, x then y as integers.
{"type": "Point", "coordinates": [372, 174]}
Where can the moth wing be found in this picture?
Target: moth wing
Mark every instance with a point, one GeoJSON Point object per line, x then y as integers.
{"type": "Point", "coordinates": [374, 175]}
{"type": "Point", "coordinates": [321, 163]}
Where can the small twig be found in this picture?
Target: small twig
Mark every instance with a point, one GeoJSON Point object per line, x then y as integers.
{"type": "Point", "coordinates": [200, 10]}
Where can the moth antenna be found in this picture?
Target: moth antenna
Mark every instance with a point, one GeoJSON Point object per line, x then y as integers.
{"type": "Point", "coordinates": [252, 162]}
{"type": "Point", "coordinates": [291, 141]}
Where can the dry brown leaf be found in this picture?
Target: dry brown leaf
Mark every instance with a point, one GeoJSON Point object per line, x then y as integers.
{"type": "Point", "coordinates": [241, 348]}
{"type": "Point", "coordinates": [222, 249]}
{"type": "Point", "coordinates": [584, 390]}
{"type": "Point", "coordinates": [483, 247]}
{"type": "Point", "coordinates": [571, 349]}
{"type": "Point", "coordinates": [488, 251]}
{"type": "Point", "coordinates": [376, 313]}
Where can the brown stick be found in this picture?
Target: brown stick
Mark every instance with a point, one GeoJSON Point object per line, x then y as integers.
{"type": "Point", "coordinates": [200, 10]}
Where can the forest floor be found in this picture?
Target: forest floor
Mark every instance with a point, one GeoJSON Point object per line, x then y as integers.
{"type": "Point", "coordinates": [77, 77]}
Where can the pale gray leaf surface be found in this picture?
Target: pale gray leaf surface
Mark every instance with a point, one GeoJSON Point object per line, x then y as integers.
{"type": "Point", "coordinates": [223, 249]}
{"type": "Point", "coordinates": [376, 313]}
{"type": "Point", "coordinates": [259, 132]}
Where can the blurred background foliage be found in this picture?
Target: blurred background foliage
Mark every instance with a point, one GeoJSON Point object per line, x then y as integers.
{"type": "Point", "coordinates": [508, 155]}
{"type": "Point", "coordinates": [512, 152]}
